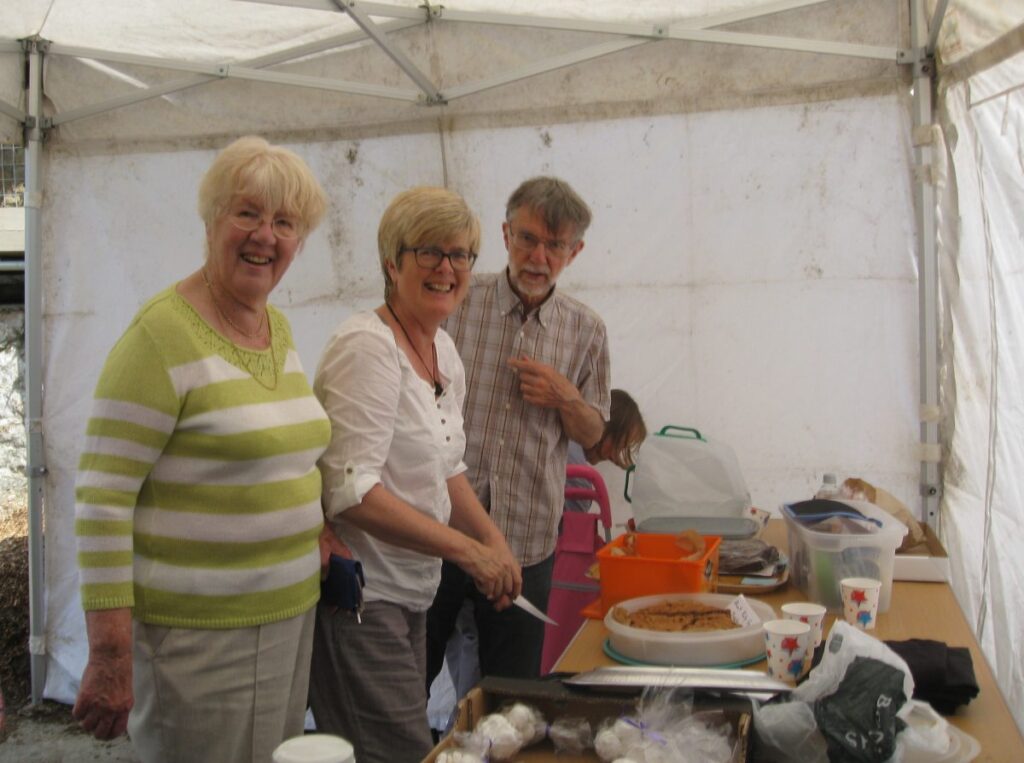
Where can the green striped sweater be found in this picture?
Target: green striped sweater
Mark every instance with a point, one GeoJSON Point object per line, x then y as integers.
{"type": "Point", "coordinates": [197, 500]}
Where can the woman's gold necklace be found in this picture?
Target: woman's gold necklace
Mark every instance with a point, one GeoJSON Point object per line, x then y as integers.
{"type": "Point", "coordinates": [257, 334]}
{"type": "Point", "coordinates": [438, 389]}
{"type": "Point", "coordinates": [243, 361]}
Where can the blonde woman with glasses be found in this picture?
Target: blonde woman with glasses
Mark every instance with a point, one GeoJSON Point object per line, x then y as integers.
{"type": "Point", "coordinates": [395, 489]}
{"type": "Point", "coordinates": [198, 497]}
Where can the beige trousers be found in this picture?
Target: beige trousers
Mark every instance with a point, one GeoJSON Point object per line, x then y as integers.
{"type": "Point", "coordinates": [219, 696]}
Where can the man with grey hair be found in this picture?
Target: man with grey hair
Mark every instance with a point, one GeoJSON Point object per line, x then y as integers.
{"type": "Point", "coordinates": [537, 376]}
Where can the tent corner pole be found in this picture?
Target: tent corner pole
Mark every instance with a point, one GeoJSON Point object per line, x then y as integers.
{"type": "Point", "coordinates": [34, 125]}
{"type": "Point", "coordinates": [928, 281]}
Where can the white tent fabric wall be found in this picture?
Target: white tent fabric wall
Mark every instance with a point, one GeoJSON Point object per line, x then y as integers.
{"type": "Point", "coordinates": [724, 256]}
{"type": "Point", "coordinates": [753, 250]}
{"type": "Point", "coordinates": [981, 247]}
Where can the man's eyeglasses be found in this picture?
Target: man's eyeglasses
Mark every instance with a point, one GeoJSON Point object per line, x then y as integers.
{"type": "Point", "coordinates": [249, 220]}
{"type": "Point", "coordinates": [430, 257]}
{"type": "Point", "coordinates": [527, 242]}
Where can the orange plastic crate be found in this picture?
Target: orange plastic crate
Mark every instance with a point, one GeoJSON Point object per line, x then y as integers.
{"type": "Point", "coordinates": [656, 568]}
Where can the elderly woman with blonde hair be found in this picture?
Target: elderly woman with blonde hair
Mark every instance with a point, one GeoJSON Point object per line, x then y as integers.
{"type": "Point", "coordinates": [394, 485]}
{"type": "Point", "coordinates": [198, 497]}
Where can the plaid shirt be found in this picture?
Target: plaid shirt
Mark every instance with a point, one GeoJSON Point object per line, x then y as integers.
{"type": "Point", "coordinates": [516, 452]}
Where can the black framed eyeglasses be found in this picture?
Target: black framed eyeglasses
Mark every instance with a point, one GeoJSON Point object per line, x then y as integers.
{"type": "Point", "coordinates": [429, 257]}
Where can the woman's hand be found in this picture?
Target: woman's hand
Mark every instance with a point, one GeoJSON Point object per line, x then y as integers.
{"type": "Point", "coordinates": [105, 696]}
{"type": "Point", "coordinates": [495, 571]}
{"type": "Point", "coordinates": [330, 544]}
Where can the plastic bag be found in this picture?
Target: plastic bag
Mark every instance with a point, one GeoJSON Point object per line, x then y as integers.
{"type": "Point", "coordinates": [527, 720]}
{"type": "Point", "coordinates": [788, 731]}
{"type": "Point", "coordinates": [665, 730]}
{"type": "Point", "coordinates": [501, 735]}
{"type": "Point", "coordinates": [571, 735]}
{"type": "Point", "coordinates": [739, 556]}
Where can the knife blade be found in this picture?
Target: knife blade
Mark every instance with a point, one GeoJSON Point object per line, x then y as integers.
{"type": "Point", "coordinates": [523, 603]}
{"type": "Point", "coordinates": [692, 678]}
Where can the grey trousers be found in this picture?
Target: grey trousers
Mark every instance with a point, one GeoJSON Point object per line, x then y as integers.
{"type": "Point", "coordinates": [367, 682]}
{"type": "Point", "coordinates": [222, 696]}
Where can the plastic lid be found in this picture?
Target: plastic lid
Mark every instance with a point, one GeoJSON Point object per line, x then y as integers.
{"type": "Point", "coordinates": [314, 748]}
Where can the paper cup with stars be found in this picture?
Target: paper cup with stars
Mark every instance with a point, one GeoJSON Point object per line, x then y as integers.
{"type": "Point", "coordinates": [810, 613]}
{"type": "Point", "coordinates": [786, 643]}
{"type": "Point", "coordinates": [860, 601]}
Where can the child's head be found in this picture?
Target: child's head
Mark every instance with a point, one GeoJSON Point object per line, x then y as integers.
{"type": "Point", "coordinates": [623, 433]}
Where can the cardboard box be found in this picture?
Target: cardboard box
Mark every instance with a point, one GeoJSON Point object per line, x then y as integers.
{"type": "Point", "coordinates": [927, 561]}
{"type": "Point", "coordinates": [555, 700]}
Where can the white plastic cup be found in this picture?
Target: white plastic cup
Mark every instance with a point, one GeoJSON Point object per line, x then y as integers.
{"type": "Point", "coordinates": [860, 601]}
{"type": "Point", "coordinates": [810, 613]}
{"type": "Point", "coordinates": [786, 644]}
{"type": "Point", "coordinates": [314, 748]}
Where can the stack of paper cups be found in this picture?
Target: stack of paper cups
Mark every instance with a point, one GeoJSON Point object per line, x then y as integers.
{"type": "Point", "coordinates": [314, 748]}
{"type": "Point", "coordinates": [812, 614]}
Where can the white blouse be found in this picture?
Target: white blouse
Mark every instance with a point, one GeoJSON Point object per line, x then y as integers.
{"type": "Point", "coordinates": [387, 428]}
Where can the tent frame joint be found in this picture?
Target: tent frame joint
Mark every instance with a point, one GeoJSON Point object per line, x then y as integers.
{"type": "Point", "coordinates": [34, 44]}
{"type": "Point", "coordinates": [432, 12]}
{"type": "Point", "coordinates": [43, 123]}
{"type": "Point", "coordinates": [922, 60]}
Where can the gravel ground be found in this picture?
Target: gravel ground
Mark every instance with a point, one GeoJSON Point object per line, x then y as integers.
{"type": "Point", "coordinates": [44, 733]}
{"type": "Point", "coordinates": [47, 734]}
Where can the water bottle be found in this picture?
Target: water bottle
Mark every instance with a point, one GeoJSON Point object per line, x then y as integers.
{"type": "Point", "coordinates": [829, 488]}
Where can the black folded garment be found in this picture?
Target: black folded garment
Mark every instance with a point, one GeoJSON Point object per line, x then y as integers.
{"type": "Point", "coordinates": [943, 675]}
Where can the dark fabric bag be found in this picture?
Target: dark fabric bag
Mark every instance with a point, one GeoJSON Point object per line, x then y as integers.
{"type": "Point", "coordinates": [343, 587]}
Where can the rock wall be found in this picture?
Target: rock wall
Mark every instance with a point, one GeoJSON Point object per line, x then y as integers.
{"type": "Point", "coordinates": [13, 483]}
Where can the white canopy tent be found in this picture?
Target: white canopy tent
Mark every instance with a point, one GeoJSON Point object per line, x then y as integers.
{"type": "Point", "coordinates": [766, 179]}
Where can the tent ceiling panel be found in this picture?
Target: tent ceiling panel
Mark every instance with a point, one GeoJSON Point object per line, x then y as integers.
{"type": "Point", "coordinates": [630, 76]}
{"type": "Point", "coordinates": [971, 25]}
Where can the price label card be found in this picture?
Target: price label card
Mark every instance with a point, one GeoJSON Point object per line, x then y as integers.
{"type": "Point", "coordinates": [742, 613]}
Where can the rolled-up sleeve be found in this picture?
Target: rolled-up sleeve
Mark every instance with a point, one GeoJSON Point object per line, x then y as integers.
{"type": "Point", "coordinates": [357, 382]}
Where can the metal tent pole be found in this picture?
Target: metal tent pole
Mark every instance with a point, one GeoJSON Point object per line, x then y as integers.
{"type": "Point", "coordinates": [34, 49]}
{"type": "Point", "coordinates": [928, 278]}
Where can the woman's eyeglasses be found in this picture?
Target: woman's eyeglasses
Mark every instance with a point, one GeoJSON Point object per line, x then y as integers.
{"type": "Point", "coordinates": [249, 220]}
{"type": "Point", "coordinates": [430, 257]}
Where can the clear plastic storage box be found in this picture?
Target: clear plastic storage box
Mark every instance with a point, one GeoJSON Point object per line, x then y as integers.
{"type": "Point", "coordinates": [819, 560]}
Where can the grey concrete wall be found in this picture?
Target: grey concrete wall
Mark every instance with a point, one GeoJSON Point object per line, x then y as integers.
{"type": "Point", "coordinates": [13, 485]}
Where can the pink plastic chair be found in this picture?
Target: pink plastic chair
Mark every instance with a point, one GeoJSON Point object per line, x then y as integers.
{"type": "Point", "coordinates": [571, 589]}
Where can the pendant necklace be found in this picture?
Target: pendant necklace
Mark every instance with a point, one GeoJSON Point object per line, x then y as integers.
{"type": "Point", "coordinates": [244, 362]}
{"type": "Point", "coordinates": [438, 389]}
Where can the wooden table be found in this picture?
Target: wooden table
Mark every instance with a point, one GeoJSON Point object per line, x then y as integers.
{"type": "Point", "coordinates": [918, 610]}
